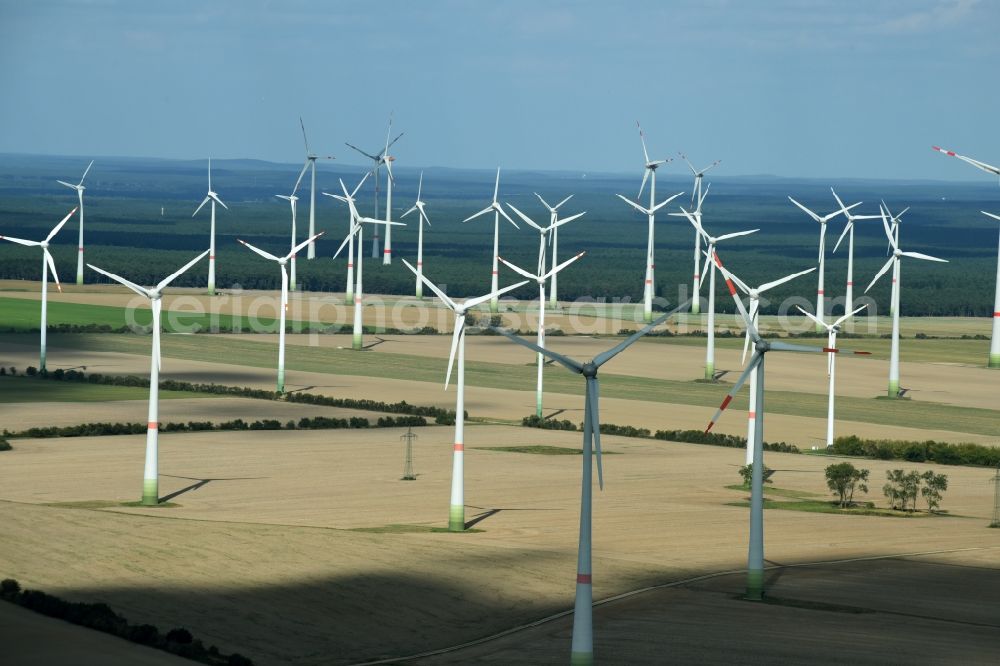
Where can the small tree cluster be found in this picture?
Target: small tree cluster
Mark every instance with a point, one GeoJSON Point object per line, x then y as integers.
{"type": "Point", "coordinates": [902, 489]}
{"type": "Point", "coordinates": [844, 479]}
{"type": "Point", "coordinates": [746, 473]}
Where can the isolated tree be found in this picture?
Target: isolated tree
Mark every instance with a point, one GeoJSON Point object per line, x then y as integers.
{"type": "Point", "coordinates": [934, 487]}
{"type": "Point", "coordinates": [844, 479]}
{"type": "Point", "coordinates": [747, 473]}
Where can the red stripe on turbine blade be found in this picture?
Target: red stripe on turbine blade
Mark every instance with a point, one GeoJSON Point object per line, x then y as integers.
{"type": "Point", "coordinates": [951, 153]}
{"type": "Point", "coordinates": [710, 424]}
{"type": "Point", "coordinates": [996, 314]}
{"type": "Point", "coordinates": [732, 287]}
{"type": "Point", "coordinates": [459, 446]}
{"type": "Point", "coordinates": [583, 579]}
{"type": "Point", "coordinates": [862, 353]}
{"type": "Point", "coordinates": [153, 425]}
{"type": "Point", "coordinates": [832, 350]}
{"type": "Point", "coordinates": [725, 403]}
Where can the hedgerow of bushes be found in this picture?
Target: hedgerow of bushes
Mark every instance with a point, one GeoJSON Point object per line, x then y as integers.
{"type": "Point", "coordinates": [686, 436]}
{"type": "Point", "coordinates": [440, 415]}
{"type": "Point", "coordinates": [314, 423]}
{"type": "Point", "coordinates": [942, 453]}
{"type": "Point", "coordinates": [101, 617]}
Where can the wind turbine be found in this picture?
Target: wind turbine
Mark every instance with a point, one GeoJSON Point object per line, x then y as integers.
{"type": "Point", "coordinates": [212, 198]}
{"type": "Point", "coordinates": [150, 475]}
{"type": "Point", "coordinates": [540, 278]}
{"type": "Point", "coordinates": [754, 295]}
{"type": "Point", "coordinates": [822, 220]}
{"type": "Point", "coordinates": [356, 228]}
{"type": "Point", "coordinates": [895, 263]}
{"type": "Point", "coordinates": [994, 361]}
{"type": "Point", "coordinates": [497, 212]}
{"type": "Point", "coordinates": [47, 263]}
{"type": "Point", "coordinates": [79, 193]}
{"type": "Point", "coordinates": [554, 241]}
{"type": "Point", "coordinates": [894, 221]}
{"type": "Point", "coordinates": [755, 555]}
{"type": "Point", "coordinates": [382, 157]}
{"type": "Point", "coordinates": [292, 200]}
{"type": "Point", "coordinates": [583, 635]}
{"type": "Point", "coordinates": [543, 233]}
{"type": "Point", "coordinates": [311, 158]}
{"type": "Point", "coordinates": [350, 200]}
{"type": "Point", "coordinates": [849, 232]}
{"type": "Point", "coordinates": [696, 199]}
{"type": "Point", "coordinates": [283, 305]}
{"type": "Point", "coordinates": [649, 174]}
{"type": "Point", "coordinates": [831, 365]}
{"type": "Point", "coordinates": [456, 513]}
{"type": "Point", "coordinates": [419, 207]}
{"type": "Point", "coordinates": [711, 241]}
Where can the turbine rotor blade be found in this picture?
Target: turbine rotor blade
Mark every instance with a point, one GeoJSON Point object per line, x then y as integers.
{"type": "Point", "coordinates": [768, 285]}
{"type": "Point", "coordinates": [298, 248]}
{"type": "Point", "coordinates": [524, 217]}
{"type": "Point", "coordinates": [86, 171]}
{"type": "Point", "coordinates": [131, 285]}
{"type": "Point", "coordinates": [266, 255]}
{"type": "Point", "coordinates": [456, 338]}
{"type": "Point", "coordinates": [562, 266]}
{"type": "Point", "coordinates": [52, 266]}
{"type": "Point", "coordinates": [201, 205]}
{"type": "Point", "coordinates": [173, 276]}
{"type": "Point", "coordinates": [433, 287]}
{"type": "Point", "coordinates": [882, 272]}
{"type": "Point", "coordinates": [565, 361]}
{"type": "Point", "coordinates": [478, 300]}
{"type": "Point", "coordinates": [59, 226]}
{"type": "Point", "coordinates": [754, 362]}
{"type": "Point", "coordinates": [918, 255]}
{"type": "Point", "coordinates": [807, 211]}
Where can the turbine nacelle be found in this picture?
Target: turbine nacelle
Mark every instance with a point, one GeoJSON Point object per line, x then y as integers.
{"type": "Point", "coordinates": [589, 369]}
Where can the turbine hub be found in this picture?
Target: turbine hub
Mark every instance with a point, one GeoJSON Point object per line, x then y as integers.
{"type": "Point", "coordinates": [283, 261]}
{"type": "Point", "coordinates": [763, 346]}
{"type": "Point", "coordinates": [897, 252]}
{"type": "Point", "coordinates": [589, 369]}
{"type": "Point", "coordinates": [44, 244]}
{"type": "Point", "coordinates": [154, 295]}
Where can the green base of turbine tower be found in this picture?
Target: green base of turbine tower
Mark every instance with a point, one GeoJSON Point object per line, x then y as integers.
{"type": "Point", "coordinates": [456, 519]}
{"type": "Point", "coordinates": [994, 361]}
{"type": "Point", "coordinates": [494, 306]}
{"type": "Point", "coordinates": [150, 492]}
{"type": "Point", "coordinates": [356, 343]}
{"type": "Point", "coordinates": [281, 381]}
{"type": "Point", "coordinates": [695, 307]}
{"type": "Point", "coordinates": [581, 658]}
{"type": "Point", "coordinates": [755, 585]}
{"type": "Point", "coordinates": [710, 371]}
{"type": "Point", "coordinates": [893, 389]}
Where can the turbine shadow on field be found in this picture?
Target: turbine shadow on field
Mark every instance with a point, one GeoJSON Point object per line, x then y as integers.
{"type": "Point", "coordinates": [199, 483]}
{"type": "Point", "coordinates": [486, 513]}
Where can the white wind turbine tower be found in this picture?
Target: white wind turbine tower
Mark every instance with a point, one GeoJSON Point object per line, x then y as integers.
{"type": "Point", "coordinates": [822, 220]}
{"type": "Point", "coordinates": [497, 212]}
{"type": "Point", "coordinates": [351, 201]}
{"type": "Point", "coordinates": [540, 279]}
{"type": "Point", "coordinates": [79, 193]}
{"type": "Point", "coordinates": [650, 170]}
{"type": "Point", "coordinates": [419, 207]}
{"type": "Point", "coordinates": [849, 232]}
{"type": "Point", "coordinates": [211, 198]}
{"type": "Point", "coordinates": [554, 242]}
{"type": "Point", "coordinates": [697, 197]}
{"type": "Point", "coordinates": [381, 158]}
{"type": "Point", "coordinates": [356, 228]}
{"type": "Point", "coordinates": [283, 304]}
{"type": "Point", "coordinates": [994, 361]}
{"type": "Point", "coordinates": [755, 551]}
{"type": "Point", "coordinates": [456, 513]}
{"type": "Point", "coordinates": [894, 263]}
{"type": "Point", "coordinates": [311, 158]}
{"type": "Point", "coordinates": [150, 475]}
{"type": "Point", "coordinates": [831, 364]}
{"type": "Point", "coordinates": [583, 633]}
{"type": "Point", "coordinates": [47, 263]}
{"type": "Point", "coordinates": [754, 295]}
{"type": "Point", "coordinates": [711, 241]}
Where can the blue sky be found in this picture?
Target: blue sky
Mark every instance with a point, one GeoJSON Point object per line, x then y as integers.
{"type": "Point", "coordinates": [830, 89]}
